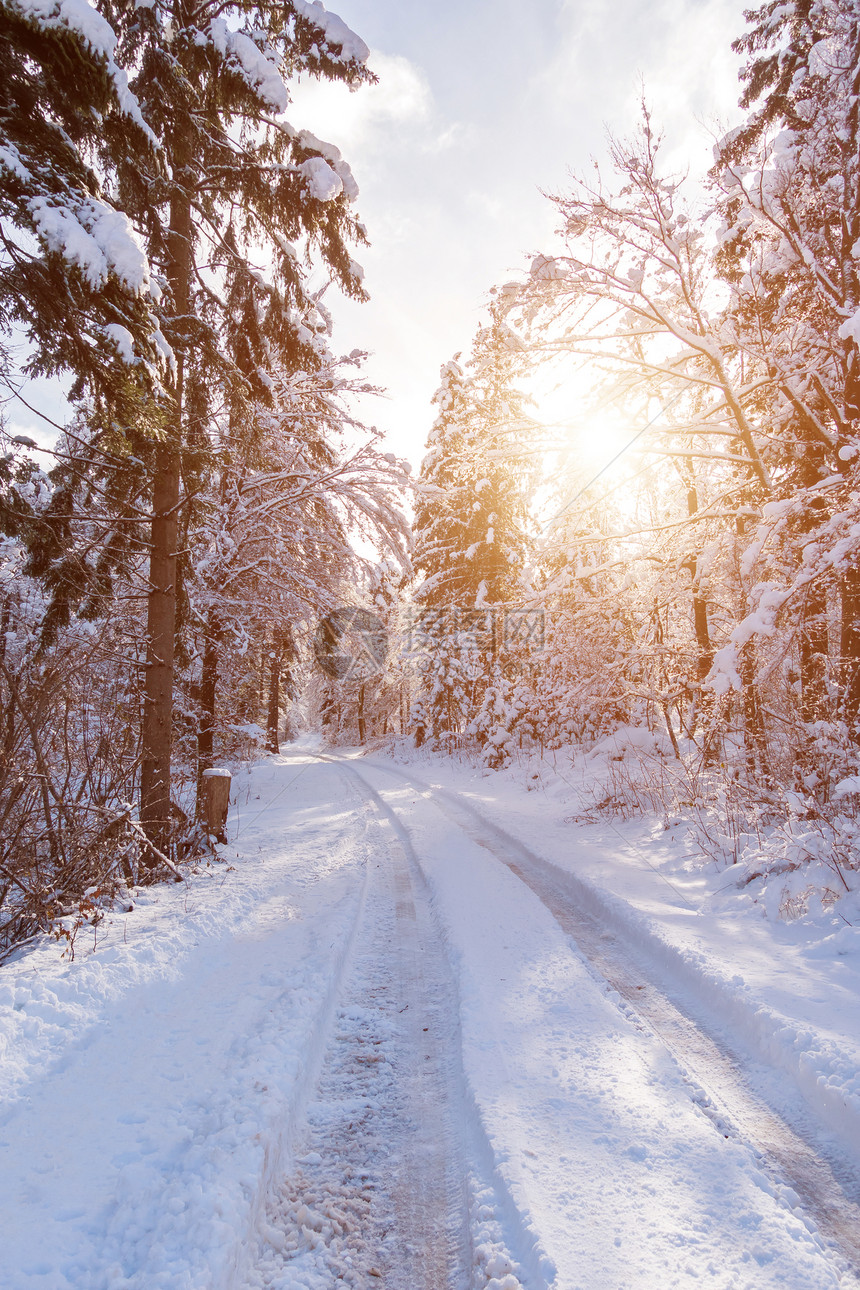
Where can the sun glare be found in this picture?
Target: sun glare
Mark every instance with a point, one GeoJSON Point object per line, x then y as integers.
{"type": "Point", "coordinates": [584, 448]}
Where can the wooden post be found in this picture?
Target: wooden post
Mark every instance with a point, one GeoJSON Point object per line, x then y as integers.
{"type": "Point", "coordinates": [216, 801]}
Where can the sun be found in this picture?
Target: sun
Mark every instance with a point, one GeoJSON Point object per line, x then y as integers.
{"type": "Point", "coordinates": [589, 452]}
{"type": "Point", "coordinates": [567, 413]}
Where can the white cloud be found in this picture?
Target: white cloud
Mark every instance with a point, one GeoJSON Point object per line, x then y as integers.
{"type": "Point", "coordinates": [678, 51]}
{"type": "Point", "coordinates": [354, 120]}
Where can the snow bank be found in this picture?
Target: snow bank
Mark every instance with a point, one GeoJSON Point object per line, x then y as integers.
{"type": "Point", "coordinates": [152, 1087]}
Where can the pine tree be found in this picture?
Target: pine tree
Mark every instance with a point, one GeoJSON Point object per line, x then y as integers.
{"type": "Point", "coordinates": [236, 188]}
{"type": "Point", "coordinates": [290, 488]}
{"type": "Point", "coordinates": [470, 536]}
{"type": "Point", "coordinates": [471, 521]}
{"type": "Point", "coordinates": [74, 278]}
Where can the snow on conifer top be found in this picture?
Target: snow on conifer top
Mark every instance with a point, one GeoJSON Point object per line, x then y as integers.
{"type": "Point", "coordinates": [335, 30]}
{"type": "Point", "coordinates": [97, 34]}
{"type": "Point", "coordinates": [258, 66]}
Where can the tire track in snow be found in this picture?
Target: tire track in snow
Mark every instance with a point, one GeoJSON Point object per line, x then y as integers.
{"type": "Point", "coordinates": [379, 1196]}
{"type": "Point", "coordinates": [802, 1177]}
{"type": "Point", "coordinates": [482, 1216]}
{"type": "Point", "coordinates": [427, 1179]}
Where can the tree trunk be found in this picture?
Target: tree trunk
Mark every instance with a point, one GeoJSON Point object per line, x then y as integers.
{"type": "Point", "coordinates": [327, 707]}
{"type": "Point", "coordinates": [813, 656]}
{"type": "Point", "coordinates": [161, 628]}
{"type": "Point", "coordinates": [703, 701]}
{"type": "Point", "coordinates": [755, 737]}
{"type": "Point", "coordinates": [705, 657]}
{"type": "Point", "coordinates": [156, 734]}
{"type": "Point", "coordinates": [273, 721]}
{"type": "Point", "coordinates": [4, 628]}
{"type": "Point", "coordinates": [362, 724]}
{"type": "Point", "coordinates": [8, 711]}
{"type": "Point", "coordinates": [849, 646]}
{"type": "Point", "coordinates": [208, 696]}
{"type": "Point", "coordinates": [281, 658]}
{"type": "Point", "coordinates": [813, 643]}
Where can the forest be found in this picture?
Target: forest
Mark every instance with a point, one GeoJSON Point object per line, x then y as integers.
{"type": "Point", "coordinates": [218, 551]}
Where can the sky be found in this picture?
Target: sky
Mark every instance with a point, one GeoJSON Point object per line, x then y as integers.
{"type": "Point", "coordinates": [482, 107]}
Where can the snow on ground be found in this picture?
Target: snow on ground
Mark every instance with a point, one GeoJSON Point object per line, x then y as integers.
{"type": "Point", "coordinates": [787, 990]}
{"type": "Point", "coordinates": [622, 1179]}
{"type": "Point", "coordinates": [150, 1087]}
{"type": "Point", "coordinates": [254, 1080]}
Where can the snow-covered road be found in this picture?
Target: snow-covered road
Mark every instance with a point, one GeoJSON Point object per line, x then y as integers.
{"type": "Point", "coordinates": [392, 1046]}
{"type": "Point", "coordinates": [696, 1040]}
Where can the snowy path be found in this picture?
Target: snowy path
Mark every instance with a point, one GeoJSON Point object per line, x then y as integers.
{"type": "Point", "coordinates": [372, 1054]}
{"type": "Point", "coordinates": [826, 1185]}
{"type": "Point", "coordinates": [380, 1188]}
{"type": "Point", "coordinates": [763, 1146]}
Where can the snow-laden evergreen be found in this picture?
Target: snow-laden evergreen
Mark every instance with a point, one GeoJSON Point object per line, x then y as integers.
{"type": "Point", "coordinates": [75, 279]}
{"type": "Point", "coordinates": [471, 528]}
{"type": "Point", "coordinates": [162, 219]}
